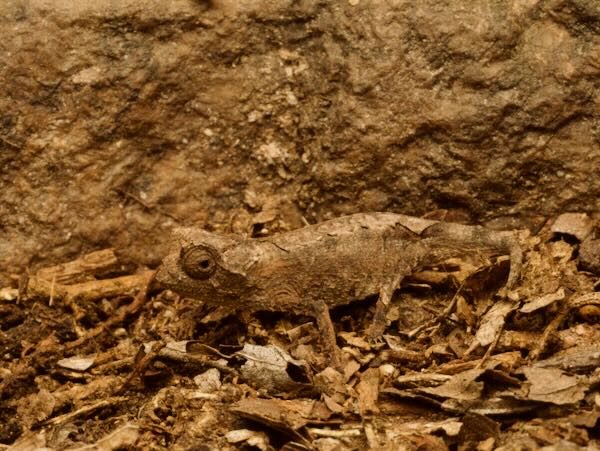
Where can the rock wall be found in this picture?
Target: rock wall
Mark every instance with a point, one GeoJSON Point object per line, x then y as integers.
{"type": "Point", "coordinates": [121, 120]}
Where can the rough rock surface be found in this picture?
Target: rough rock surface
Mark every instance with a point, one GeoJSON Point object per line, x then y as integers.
{"type": "Point", "coordinates": [119, 122]}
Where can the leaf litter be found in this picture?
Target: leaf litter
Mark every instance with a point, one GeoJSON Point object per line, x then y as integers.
{"type": "Point", "coordinates": [97, 357]}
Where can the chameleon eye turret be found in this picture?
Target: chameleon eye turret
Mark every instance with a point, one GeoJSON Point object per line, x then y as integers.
{"type": "Point", "coordinates": [198, 262]}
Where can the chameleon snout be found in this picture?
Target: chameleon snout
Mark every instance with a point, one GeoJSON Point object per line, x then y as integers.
{"type": "Point", "coordinates": [167, 274]}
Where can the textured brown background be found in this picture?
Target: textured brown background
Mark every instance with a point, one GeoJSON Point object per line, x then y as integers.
{"type": "Point", "coordinates": [210, 113]}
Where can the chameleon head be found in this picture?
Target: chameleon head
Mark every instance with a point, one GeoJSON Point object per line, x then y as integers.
{"type": "Point", "coordinates": [200, 266]}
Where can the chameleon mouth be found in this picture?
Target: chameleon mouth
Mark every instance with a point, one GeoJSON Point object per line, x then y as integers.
{"type": "Point", "coordinates": [163, 277]}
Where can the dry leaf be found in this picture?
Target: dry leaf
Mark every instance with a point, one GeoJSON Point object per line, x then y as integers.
{"type": "Point", "coordinates": [277, 413]}
{"type": "Point", "coordinates": [543, 301]}
{"type": "Point", "coordinates": [493, 321]}
{"type": "Point", "coordinates": [578, 225]}
{"type": "Point", "coordinates": [268, 367]}
{"type": "Point", "coordinates": [209, 381]}
{"type": "Point", "coordinates": [589, 256]}
{"type": "Point", "coordinates": [256, 439]}
{"type": "Point", "coordinates": [77, 363]}
{"type": "Point", "coordinates": [577, 358]}
{"type": "Point", "coordinates": [368, 391]}
{"type": "Point", "coordinates": [353, 340]}
{"type": "Point", "coordinates": [462, 386]}
{"type": "Point", "coordinates": [553, 385]}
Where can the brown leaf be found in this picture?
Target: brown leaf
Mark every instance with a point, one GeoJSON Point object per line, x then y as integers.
{"type": "Point", "coordinates": [458, 341]}
{"type": "Point", "coordinates": [493, 322]}
{"type": "Point", "coordinates": [553, 385]}
{"type": "Point", "coordinates": [465, 312]}
{"type": "Point", "coordinates": [578, 225]}
{"type": "Point", "coordinates": [543, 301]}
{"type": "Point", "coordinates": [353, 340]}
{"type": "Point", "coordinates": [368, 391]}
{"type": "Point", "coordinates": [289, 415]}
{"type": "Point", "coordinates": [267, 367]}
{"type": "Point", "coordinates": [477, 428]}
{"type": "Point", "coordinates": [253, 439]}
{"type": "Point", "coordinates": [77, 363]}
{"type": "Point", "coordinates": [333, 405]}
{"type": "Point", "coordinates": [577, 358]}
{"type": "Point", "coordinates": [589, 256]}
{"type": "Point", "coordinates": [462, 386]}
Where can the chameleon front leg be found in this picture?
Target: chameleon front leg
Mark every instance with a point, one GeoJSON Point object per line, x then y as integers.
{"type": "Point", "coordinates": [389, 284]}
{"type": "Point", "coordinates": [377, 327]}
{"type": "Point", "coordinates": [375, 330]}
{"type": "Point", "coordinates": [328, 340]}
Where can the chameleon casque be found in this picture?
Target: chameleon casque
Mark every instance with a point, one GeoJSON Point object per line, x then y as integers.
{"type": "Point", "coordinates": [315, 268]}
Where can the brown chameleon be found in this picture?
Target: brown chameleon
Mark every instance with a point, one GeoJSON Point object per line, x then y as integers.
{"type": "Point", "coordinates": [313, 269]}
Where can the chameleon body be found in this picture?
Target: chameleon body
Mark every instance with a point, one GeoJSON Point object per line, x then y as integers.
{"type": "Point", "coordinates": [315, 268]}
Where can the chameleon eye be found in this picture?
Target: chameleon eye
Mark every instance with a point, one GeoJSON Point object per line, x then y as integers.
{"type": "Point", "coordinates": [198, 262]}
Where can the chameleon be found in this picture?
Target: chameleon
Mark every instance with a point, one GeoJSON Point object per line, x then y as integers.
{"type": "Point", "coordinates": [310, 270]}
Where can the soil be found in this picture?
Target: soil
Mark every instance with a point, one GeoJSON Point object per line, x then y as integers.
{"type": "Point", "coordinates": [120, 123]}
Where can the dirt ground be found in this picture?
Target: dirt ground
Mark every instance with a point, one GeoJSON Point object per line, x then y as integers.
{"type": "Point", "coordinates": [121, 123]}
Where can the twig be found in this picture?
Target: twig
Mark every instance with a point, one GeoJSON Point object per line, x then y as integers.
{"type": "Point", "coordinates": [85, 266]}
{"type": "Point", "coordinates": [447, 311]}
{"type": "Point", "coordinates": [86, 409]}
{"type": "Point", "coordinates": [154, 427]}
{"type": "Point", "coordinates": [335, 433]}
{"type": "Point", "coordinates": [118, 317]}
{"type": "Point", "coordinates": [25, 367]}
{"type": "Point", "coordinates": [491, 347]}
{"type": "Point", "coordinates": [568, 306]}
{"type": "Point", "coordinates": [113, 366]}
{"type": "Point", "coordinates": [9, 143]}
{"type": "Point", "coordinates": [52, 285]}
{"type": "Point", "coordinates": [191, 358]}
{"type": "Point", "coordinates": [92, 290]}
{"type": "Point", "coordinates": [211, 349]}
{"type": "Point", "coordinates": [23, 284]}
{"type": "Point", "coordinates": [141, 366]}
